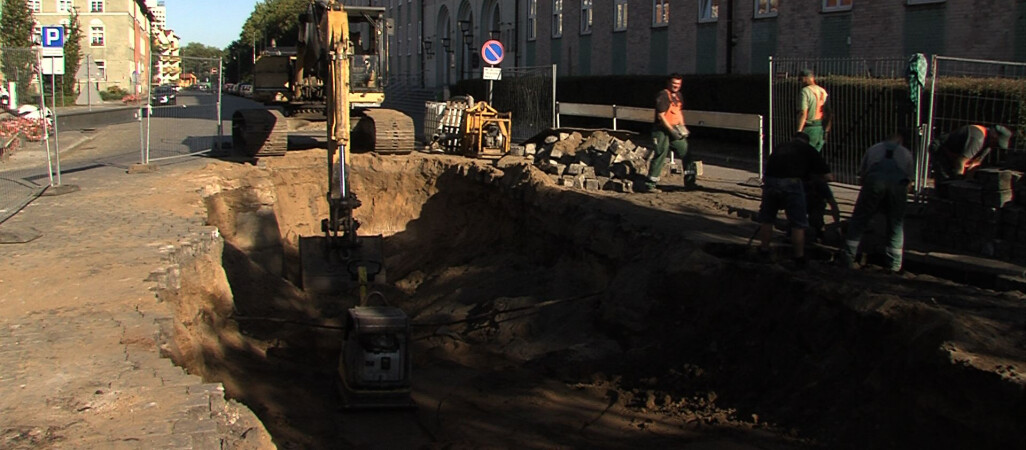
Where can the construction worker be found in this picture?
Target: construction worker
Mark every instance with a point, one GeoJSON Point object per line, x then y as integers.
{"type": "Point", "coordinates": [965, 148]}
{"type": "Point", "coordinates": [669, 132]}
{"type": "Point", "coordinates": [783, 188]}
{"type": "Point", "coordinates": [885, 172]}
{"type": "Point", "coordinates": [814, 116]}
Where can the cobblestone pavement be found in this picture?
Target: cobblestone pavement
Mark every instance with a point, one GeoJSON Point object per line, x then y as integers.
{"type": "Point", "coordinates": [80, 331]}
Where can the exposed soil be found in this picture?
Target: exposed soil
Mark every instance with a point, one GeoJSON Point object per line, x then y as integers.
{"type": "Point", "coordinates": [546, 317]}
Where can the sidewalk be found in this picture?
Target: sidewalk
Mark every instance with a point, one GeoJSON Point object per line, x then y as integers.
{"type": "Point", "coordinates": [81, 333]}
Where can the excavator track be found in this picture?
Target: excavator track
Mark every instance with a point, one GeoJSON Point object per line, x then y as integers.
{"type": "Point", "coordinates": [384, 131]}
{"type": "Point", "coordinates": [260, 132]}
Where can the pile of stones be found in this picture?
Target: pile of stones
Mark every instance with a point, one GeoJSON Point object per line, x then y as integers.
{"type": "Point", "coordinates": [596, 162]}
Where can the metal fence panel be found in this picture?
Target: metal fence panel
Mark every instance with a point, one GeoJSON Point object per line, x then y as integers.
{"type": "Point", "coordinates": [529, 93]}
{"type": "Point", "coordinates": [184, 120]}
{"type": "Point", "coordinates": [26, 150]}
{"type": "Point", "coordinates": [870, 100]}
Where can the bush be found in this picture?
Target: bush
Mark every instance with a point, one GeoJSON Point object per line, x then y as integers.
{"type": "Point", "coordinates": [113, 93]}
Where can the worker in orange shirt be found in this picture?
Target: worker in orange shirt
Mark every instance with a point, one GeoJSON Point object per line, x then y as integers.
{"type": "Point", "coordinates": [669, 132]}
{"type": "Point", "coordinates": [965, 148]}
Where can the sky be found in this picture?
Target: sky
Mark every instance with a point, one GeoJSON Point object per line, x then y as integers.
{"type": "Point", "coordinates": [209, 22]}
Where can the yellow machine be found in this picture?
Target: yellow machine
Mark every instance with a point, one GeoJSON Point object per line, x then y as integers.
{"type": "Point", "coordinates": [485, 132]}
{"type": "Point", "coordinates": [296, 83]}
{"type": "Point", "coordinates": [473, 129]}
{"type": "Point", "coordinates": [332, 69]}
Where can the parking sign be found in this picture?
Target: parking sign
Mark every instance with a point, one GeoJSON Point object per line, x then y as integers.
{"type": "Point", "coordinates": [53, 41]}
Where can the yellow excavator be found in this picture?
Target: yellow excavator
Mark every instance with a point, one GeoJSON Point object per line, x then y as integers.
{"type": "Point", "coordinates": [339, 66]}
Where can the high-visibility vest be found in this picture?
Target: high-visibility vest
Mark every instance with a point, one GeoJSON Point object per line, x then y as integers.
{"type": "Point", "coordinates": [674, 115]}
{"type": "Point", "coordinates": [821, 97]}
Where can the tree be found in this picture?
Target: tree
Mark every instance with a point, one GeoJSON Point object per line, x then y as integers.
{"type": "Point", "coordinates": [16, 28]}
{"type": "Point", "coordinates": [72, 52]}
{"type": "Point", "coordinates": [199, 59]}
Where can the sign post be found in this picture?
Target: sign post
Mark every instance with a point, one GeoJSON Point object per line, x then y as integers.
{"type": "Point", "coordinates": [492, 53]}
{"type": "Point", "coordinates": [53, 65]}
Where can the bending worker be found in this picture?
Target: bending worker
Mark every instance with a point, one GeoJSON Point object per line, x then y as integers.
{"type": "Point", "coordinates": [669, 132]}
{"type": "Point", "coordinates": [885, 172]}
{"type": "Point", "coordinates": [786, 170]}
{"type": "Point", "coordinates": [964, 149]}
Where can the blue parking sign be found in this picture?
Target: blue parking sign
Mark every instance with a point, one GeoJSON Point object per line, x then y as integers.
{"type": "Point", "coordinates": [53, 37]}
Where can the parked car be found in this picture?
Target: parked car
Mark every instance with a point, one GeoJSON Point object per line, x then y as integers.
{"type": "Point", "coordinates": [227, 88]}
{"type": "Point", "coordinates": [246, 90]}
{"type": "Point", "coordinates": [163, 95]}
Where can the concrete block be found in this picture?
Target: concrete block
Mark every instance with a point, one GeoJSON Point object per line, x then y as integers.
{"type": "Point", "coordinates": [598, 141]}
{"type": "Point", "coordinates": [551, 139]}
{"type": "Point", "coordinates": [579, 181]}
{"type": "Point", "coordinates": [588, 171]}
{"type": "Point", "coordinates": [993, 179]}
{"type": "Point", "coordinates": [618, 147]}
{"type": "Point", "coordinates": [591, 184]}
{"type": "Point", "coordinates": [555, 154]}
{"type": "Point", "coordinates": [575, 169]}
{"type": "Point", "coordinates": [625, 186]}
{"type": "Point", "coordinates": [517, 150]}
{"type": "Point", "coordinates": [530, 148]}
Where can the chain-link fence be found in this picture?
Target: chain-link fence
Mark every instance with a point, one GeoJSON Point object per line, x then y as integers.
{"type": "Point", "coordinates": [184, 113]}
{"type": "Point", "coordinates": [870, 100]}
{"type": "Point", "coordinates": [27, 150]}
{"type": "Point", "coordinates": [975, 92]}
{"type": "Point", "coordinates": [527, 92]}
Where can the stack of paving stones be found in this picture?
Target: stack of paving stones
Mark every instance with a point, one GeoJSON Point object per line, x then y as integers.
{"type": "Point", "coordinates": [598, 162]}
{"type": "Point", "coordinates": [985, 214]}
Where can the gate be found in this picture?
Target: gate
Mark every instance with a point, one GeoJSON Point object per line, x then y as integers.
{"type": "Point", "coordinates": [184, 119]}
{"type": "Point", "coordinates": [870, 100]}
{"type": "Point", "coordinates": [529, 93]}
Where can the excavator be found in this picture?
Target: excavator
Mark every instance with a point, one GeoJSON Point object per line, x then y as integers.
{"type": "Point", "coordinates": [333, 70]}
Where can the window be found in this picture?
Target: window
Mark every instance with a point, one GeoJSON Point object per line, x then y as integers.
{"type": "Point", "coordinates": [660, 13]}
{"type": "Point", "coordinates": [96, 34]}
{"type": "Point", "coordinates": [101, 67]}
{"type": "Point", "coordinates": [620, 22]}
{"type": "Point", "coordinates": [532, 20]}
{"type": "Point", "coordinates": [836, 5]}
{"type": "Point", "coordinates": [37, 34]}
{"type": "Point", "coordinates": [766, 8]}
{"type": "Point", "coordinates": [35, 5]}
{"type": "Point", "coordinates": [557, 18]}
{"type": "Point", "coordinates": [708, 10]}
{"type": "Point", "coordinates": [64, 5]}
{"type": "Point", "coordinates": [586, 16]}
{"type": "Point", "coordinates": [96, 6]}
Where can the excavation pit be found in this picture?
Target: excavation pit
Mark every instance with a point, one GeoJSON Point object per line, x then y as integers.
{"type": "Point", "coordinates": [547, 317]}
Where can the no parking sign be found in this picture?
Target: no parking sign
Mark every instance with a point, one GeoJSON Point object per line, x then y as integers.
{"type": "Point", "coordinates": [492, 52]}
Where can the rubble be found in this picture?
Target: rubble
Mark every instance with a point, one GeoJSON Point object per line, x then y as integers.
{"type": "Point", "coordinates": [598, 161]}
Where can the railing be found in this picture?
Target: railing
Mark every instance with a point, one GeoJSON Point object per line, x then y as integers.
{"type": "Point", "coordinates": [709, 119]}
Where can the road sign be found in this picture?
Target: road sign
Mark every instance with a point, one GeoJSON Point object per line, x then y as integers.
{"type": "Point", "coordinates": [53, 65]}
{"type": "Point", "coordinates": [53, 41]}
{"type": "Point", "coordinates": [492, 52]}
{"type": "Point", "coordinates": [492, 73]}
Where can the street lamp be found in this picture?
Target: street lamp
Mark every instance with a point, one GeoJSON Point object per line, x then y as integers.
{"type": "Point", "coordinates": [447, 44]}
{"type": "Point", "coordinates": [427, 48]}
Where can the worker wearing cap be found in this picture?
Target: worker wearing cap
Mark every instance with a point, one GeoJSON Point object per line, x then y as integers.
{"type": "Point", "coordinates": [965, 148]}
{"type": "Point", "coordinates": [886, 170]}
{"type": "Point", "coordinates": [813, 111]}
{"type": "Point", "coordinates": [668, 132]}
{"type": "Point", "coordinates": [783, 188]}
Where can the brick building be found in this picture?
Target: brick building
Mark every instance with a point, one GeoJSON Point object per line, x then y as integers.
{"type": "Point", "coordinates": [440, 39]}
{"type": "Point", "coordinates": [116, 36]}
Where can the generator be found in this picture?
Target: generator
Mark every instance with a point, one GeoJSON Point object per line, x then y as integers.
{"type": "Point", "coordinates": [374, 365]}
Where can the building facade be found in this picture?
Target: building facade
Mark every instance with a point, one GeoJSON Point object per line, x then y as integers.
{"type": "Point", "coordinates": [116, 36]}
{"type": "Point", "coordinates": [440, 40]}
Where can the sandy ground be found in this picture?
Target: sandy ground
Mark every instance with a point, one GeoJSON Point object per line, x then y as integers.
{"type": "Point", "coordinates": [546, 317]}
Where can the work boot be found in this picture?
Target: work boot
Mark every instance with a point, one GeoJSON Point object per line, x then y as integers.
{"type": "Point", "coordinates": [651, 189]}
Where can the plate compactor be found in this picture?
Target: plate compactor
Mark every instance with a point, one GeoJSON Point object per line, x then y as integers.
{"type": "Point", "coordinates": [374, 365]}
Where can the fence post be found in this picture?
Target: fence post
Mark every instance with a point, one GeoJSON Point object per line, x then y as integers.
{"type": "Point", "coordinates": [761, 137]}
{"type": "Point", "coordinates": [220, 82]}
{"type": "Point", "coordinates": [614, 117]}
{"type": "Point", "coordinates": [42, 115]}
{"type": "Point", "coordinates": [557, 115]}
{"type": "Point", "coordinates": [925, 170]}
{"type": "Point", "coordinates": [554, 73]}
{"type": "Point", "coordinates": [770, 120]}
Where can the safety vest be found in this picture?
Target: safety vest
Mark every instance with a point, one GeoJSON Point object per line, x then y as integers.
{"type": "Point", "coordinates": [982, 130]}
{"type": "Point", "coordinates": [674, 115]}
{"type": "Point", "coordinates": [821, 97]}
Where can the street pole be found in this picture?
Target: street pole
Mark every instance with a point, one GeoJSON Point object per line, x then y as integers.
{"type": "Point", "coordinates": [56, 138]}
{"type": "Point", "coordinates": [42, 114]}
